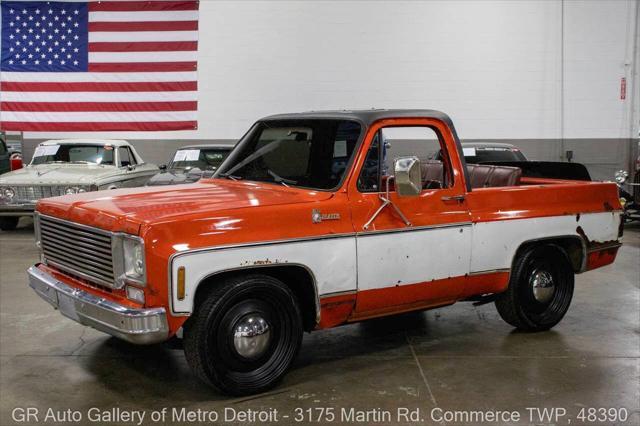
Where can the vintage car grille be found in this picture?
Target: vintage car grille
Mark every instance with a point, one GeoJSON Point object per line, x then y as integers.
{"type": "Point", "coordinates": [27, 194]}
{"type": "Point", "coordinates": [77, 249]}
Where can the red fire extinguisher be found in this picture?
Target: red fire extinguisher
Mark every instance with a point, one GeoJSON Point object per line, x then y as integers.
{"type": "Point", "coordinates": [16, 161]}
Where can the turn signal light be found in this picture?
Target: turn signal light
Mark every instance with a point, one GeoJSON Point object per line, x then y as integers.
{"type": "Point", "coordinates": [136, 294]}
{"type": "Point", "coordinates": [181, 287]}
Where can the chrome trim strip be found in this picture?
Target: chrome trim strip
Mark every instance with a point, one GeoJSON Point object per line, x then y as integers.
{"type": "Point", "coordinates": [338, 293]}
{"type": "Point", "coordinates": [414, 229]}
{"type": "Point", "coordinates": [489, 271]}
{"type": "Point", "coordinates": [139, 326]}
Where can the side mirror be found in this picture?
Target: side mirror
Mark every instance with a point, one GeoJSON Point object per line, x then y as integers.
{"type": "Point", "coordinates": [621, 176]}
{"type": "Point", "coordinates": [163, 167]}
{"type": "Point", "coordinates": [408, 176]}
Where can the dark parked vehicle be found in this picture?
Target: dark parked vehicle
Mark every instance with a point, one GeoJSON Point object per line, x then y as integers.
{"type": "Point", "coordinates": [191, 163]}
{"type": "Point", "coordinates": [4, 157]}
{"type": "Point", "coordinates": [504, 154]}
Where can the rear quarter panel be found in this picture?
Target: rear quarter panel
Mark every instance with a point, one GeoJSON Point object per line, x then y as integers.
{"type": "Point", "coordinates": [505, 218]}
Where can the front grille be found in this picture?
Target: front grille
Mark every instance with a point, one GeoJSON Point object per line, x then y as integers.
{"type": "Point", "coordinates": [77, 249]}
{"type": "Point", "coordinates": [26, 194]}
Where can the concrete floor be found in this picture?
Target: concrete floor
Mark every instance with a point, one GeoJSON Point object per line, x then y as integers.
{"type": "Point", "coordinates": [456, 358]}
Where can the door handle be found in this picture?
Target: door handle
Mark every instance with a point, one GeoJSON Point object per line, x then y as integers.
{"type": "Point", "coordinates": [457, 198]}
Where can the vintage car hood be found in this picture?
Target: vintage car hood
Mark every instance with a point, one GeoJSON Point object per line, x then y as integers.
{"type": "Point", "coordinates": [57, 174]}
{"type": "Point", "coordinates": [126, 210]}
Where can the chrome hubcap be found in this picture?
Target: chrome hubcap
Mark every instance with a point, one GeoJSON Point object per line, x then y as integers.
{"type": "Point", "coordinates": [251, 336]}
{"type": "Point", "coordinates": [543, 286]}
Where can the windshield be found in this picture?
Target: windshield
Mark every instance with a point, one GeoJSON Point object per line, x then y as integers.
{"type": "Point", "coordinates": [201, 158]}
{"type": "Point", "coordinates": [78, 154]}
{"type": "Point", "coordinates": [305, 153]}
{"type": "Point", "coordinates": [483, 155]}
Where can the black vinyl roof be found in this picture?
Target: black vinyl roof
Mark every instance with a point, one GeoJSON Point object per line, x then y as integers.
{"type": "Point", "coordinates": [366, 116]}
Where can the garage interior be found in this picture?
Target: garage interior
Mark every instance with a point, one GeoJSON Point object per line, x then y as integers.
{"type": "Point", "coordinates": [545, 76]}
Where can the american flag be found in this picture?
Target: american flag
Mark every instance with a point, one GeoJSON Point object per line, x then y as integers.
{"type": "Point", "coordinates": [98, 65]}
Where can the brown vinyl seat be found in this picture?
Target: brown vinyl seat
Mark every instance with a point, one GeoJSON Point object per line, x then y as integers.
{"type": "Point", "coordinates": [484, 176]}
{"type": "Point", "coordinates": [432, 174]}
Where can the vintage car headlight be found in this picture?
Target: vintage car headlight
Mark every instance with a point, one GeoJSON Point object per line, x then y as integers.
{"type": "Point", "coordinates": [621, 176]}
{"type": "Point", "coordinates": [7, 193]}
{"type": "Point", "coordinates": [70, 190]}
{"type": "Point", "coordinates": [130, 259]}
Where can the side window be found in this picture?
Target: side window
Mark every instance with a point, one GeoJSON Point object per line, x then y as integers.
{"type": "Point", "coordinates": [422, 142]}
{"type": "Point", "coordinates": [3, 147]}
{"type": "Point", "coordinates": [125, 157]}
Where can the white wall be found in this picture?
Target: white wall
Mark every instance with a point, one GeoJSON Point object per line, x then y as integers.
{"type": "Point", "coordinates": [495, 66]}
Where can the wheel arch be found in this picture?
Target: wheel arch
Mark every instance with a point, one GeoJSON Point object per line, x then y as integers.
{"type": "Point", "coordinates": [573, 245]}
{"type": "Point", "coordinates": [297, 277]}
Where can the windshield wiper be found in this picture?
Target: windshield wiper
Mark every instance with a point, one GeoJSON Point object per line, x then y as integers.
{"type": "Point", "coordinates": [280, 179]}
{"type": "Point", "coordinates": [230, 176]}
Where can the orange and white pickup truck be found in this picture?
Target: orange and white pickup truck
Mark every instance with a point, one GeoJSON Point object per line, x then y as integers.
{"type": "Point", "coordinates": [316, 220]}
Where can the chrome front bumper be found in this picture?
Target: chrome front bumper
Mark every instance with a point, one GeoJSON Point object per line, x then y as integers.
{"type": "Point", "coordinates": [139, 326]}
{"type": "Point", "coordinates": [17, 209]}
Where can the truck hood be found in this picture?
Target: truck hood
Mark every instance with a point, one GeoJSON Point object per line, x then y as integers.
{"type": "Point", "coordinates": [125, 210]}
{"type": "Point", "coordinates": [58, 174]}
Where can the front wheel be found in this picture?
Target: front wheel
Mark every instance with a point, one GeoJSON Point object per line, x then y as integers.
{"type": "Point", "coordinates": [244, 336]}
{"type": "Point", "coordinates": [9, 223]}
{"type": "Point", "coordinates": [540, 289]}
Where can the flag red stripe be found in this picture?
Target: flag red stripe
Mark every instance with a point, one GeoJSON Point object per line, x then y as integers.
{"type": "Point", "coordinates": [142, 66]}
{"type": "Point", "coordinates": [133, 6]}
{"type": "Point", "coordinates": [142, 126]}
{"type": "Point", "coordinates": [143, 46]}
{"type": "Point", "coordinates": [170, 86]}
{"type": "Point", "coordinates": [144, 26]}
{"type": "Point", "coordinates": [98, 106]}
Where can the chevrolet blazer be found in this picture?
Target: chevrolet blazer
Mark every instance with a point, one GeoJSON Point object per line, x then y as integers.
{"type": "Point", "coordinates": [316, 220]}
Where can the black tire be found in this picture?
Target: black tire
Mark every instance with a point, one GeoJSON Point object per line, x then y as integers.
{"type": "Point", "coordinates": [532, 302]}
{"type": "Point", "coordinates": [209, 343]}
{"type": "Point", "coordinates": [9, 223]}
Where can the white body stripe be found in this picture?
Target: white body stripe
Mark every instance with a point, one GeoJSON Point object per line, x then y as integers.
{"type": "Point", "coordinates": [401, 258]}
{"type": "Point", "coordinates": [495, 243]}
{"type": "Point", "coordinates": [382, 260]}
{"type": "Point", "coordinates": [331, 261]}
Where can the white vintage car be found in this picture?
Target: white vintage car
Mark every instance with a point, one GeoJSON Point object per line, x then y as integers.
{"type": "Point", "coordinates": [61, 167]}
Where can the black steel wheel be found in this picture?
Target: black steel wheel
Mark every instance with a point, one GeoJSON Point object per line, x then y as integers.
{"type": "Point", "coordinates": [540, 289]}
{"type": "Point", "coordinates": [244, 336]}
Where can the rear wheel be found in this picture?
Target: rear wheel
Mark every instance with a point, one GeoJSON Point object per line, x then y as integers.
{"type": "Point", "coordinates": [540, 289]}
{"type": "Point", "coordinates": [9, 223]}
{"type": "Point", "coordinates": [244, 336]}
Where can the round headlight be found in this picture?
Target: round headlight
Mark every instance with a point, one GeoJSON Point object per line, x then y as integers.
{"type": "Point", "coordinates": [621, 176]}
{"type": "Point", "coordinates": [70, 190]}
{"type": "Point", "coordinates": [8, 193]}
{"type": "Point", "coordinates": [81, 190]}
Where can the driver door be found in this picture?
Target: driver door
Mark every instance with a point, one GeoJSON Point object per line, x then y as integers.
{"type": "Point", "coordinates": [420, 260]}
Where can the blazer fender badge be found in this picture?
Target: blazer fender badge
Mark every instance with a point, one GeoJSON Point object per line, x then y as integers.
{"type": "Point", "coordinates": [317, 216]}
